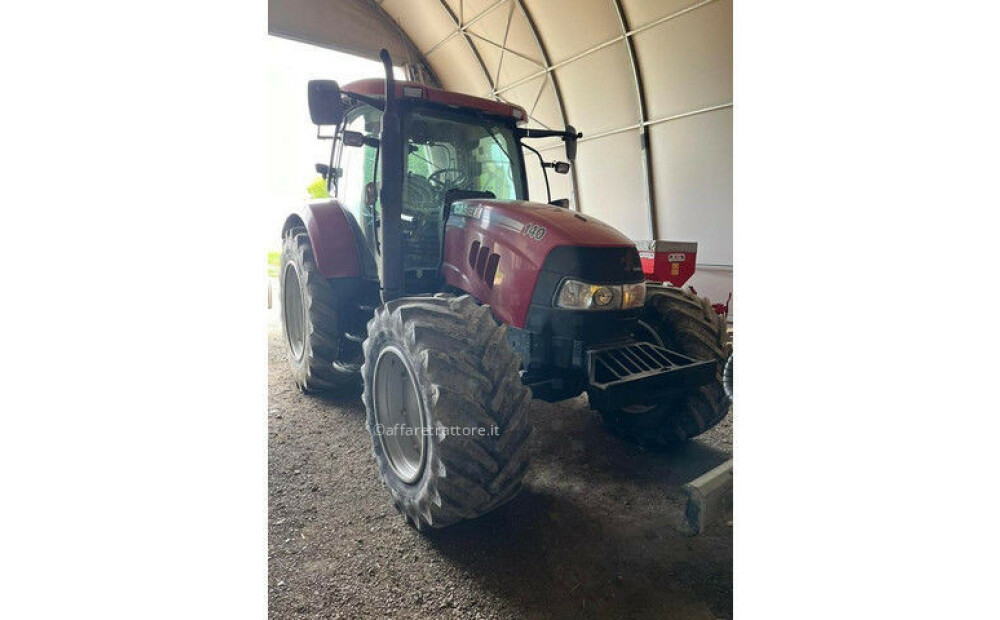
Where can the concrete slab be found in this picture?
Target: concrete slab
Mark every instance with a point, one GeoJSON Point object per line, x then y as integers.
{"type": "Point", "coordinates": [710, 498]}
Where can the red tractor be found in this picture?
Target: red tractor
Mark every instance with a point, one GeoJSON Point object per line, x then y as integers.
{"type": "Point", "coordinates": [432, 280]}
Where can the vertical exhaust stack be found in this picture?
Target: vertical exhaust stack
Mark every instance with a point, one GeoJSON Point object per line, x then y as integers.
{"type": "Point", "coordinates": [390, 232]}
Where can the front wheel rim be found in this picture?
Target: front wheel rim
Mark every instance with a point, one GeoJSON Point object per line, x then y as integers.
{"type": "Point", "coordinates": [399, 415]}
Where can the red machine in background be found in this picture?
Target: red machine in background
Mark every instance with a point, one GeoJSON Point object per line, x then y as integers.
{"type": "Point", "coordinates": [673, 262]}
{"type": "Point", "coordinates": [668, 261]}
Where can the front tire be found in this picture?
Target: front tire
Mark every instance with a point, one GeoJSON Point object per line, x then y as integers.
{"type": "Point", "coordinates": [680, 321]}
{"type": "Point", "coordinates": [437, 370]}
{"type": "Point", "coordinates": [309, 315]}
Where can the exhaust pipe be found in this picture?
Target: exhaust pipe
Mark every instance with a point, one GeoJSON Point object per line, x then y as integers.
{"type": "Point", "coordinates": [391, 232]}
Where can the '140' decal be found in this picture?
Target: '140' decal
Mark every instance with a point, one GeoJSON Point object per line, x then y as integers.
{"type": "Point", "coordinates": [534, 231]}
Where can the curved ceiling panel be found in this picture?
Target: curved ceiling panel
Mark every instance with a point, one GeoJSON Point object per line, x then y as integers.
{"type": "Point", "coordinates": [693, 168]}
{"type": "Point", "coordinates": [603, 91]}
{"type": "Point", "coordinates": [570, 27]}
{"type": "Point", "coordinates": [426, 22]}
{"type": "Point", "coordinates": [643, 12]}
{"type": "Point", "coordinates": [352, 26]}
{"type": "Point", "coordinates": [610, 173]}
{"type": "Point", "coordinates": [694, 49]}
{"type": "Point", "coordinates": [463, 71]}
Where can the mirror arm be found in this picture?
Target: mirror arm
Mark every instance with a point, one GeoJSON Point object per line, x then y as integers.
{"type": "Point", "coordinates": [545, 173]}
{"type": "Point", "coordinates": [374, 102]}
{"type": "Point", "coordinates": [521, 132]}
{"type": "Point", "coordinates": [539, 133]}
{"type": "Point", "coordinates": [331, 181]}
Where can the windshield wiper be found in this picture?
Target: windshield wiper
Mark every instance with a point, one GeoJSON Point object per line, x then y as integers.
{"type": "Point", "coordinates": [494, 136]}
{"type": "Point", "coordinates": [414, 153]}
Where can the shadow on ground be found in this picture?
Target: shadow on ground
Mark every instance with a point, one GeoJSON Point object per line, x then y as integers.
{"type": "Point", "coordinates": [598, 530]}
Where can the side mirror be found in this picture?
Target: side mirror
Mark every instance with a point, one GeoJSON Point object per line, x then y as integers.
{"type": "Point", "coordinates": [570, 140]}
{"type": "Point", "coordinates": [561, 167]}
{"type": "Point", "coordinates": [325, 104]}
{"type": "Point", "coordinates": [562, 202]}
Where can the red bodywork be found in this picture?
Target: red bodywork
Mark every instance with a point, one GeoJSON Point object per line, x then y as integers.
{"type": "Point", "coordinates": [416, 90]}
{"type": "Point", "coordinates": [332, 237]}
{"type": "Point", "coordinates": [522, 234]}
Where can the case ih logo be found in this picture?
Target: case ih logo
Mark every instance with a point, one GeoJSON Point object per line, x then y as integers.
{"type": "Point", "coordinates": [468, 211]}
{"type": "Point", "coordinates": [676, 257]}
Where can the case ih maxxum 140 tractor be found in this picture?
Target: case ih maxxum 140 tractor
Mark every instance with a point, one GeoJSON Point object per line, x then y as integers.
{"type": "Point", "coordinates": [432, 280]}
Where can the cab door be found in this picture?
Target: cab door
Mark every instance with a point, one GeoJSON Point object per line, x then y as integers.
{"type": "Point", "coordinates": [359, 171]}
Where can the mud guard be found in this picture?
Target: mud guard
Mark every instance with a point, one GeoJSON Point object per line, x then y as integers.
{"type": "Point", "coordinates": [334, 237]}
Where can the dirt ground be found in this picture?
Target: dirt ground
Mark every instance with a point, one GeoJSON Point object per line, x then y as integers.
{"type": "Point", "coordinates": [596, 532]}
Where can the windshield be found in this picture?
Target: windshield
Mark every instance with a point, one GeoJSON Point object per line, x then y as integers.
{"type": "Point", "coordinates": [451, 151]}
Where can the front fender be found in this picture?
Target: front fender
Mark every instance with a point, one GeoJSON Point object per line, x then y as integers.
{"type": "Point", "coordinates": [334, 239]}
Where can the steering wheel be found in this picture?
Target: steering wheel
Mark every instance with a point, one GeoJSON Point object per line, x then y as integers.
{"type": "Point", "coordinates": [436, 180]}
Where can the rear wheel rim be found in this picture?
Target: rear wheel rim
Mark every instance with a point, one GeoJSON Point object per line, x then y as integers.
{"type": "Point", "coordinates": [727, 377]}
{"type": "Point", "coordinates": [292, 308]}
{"type": "Point", "coordinates": [400, 416]}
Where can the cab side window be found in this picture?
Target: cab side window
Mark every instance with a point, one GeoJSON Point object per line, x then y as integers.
{"type": "Point", "coordinates": [358, 163]}
{"type": "Point", "coordinates": [359, 169]}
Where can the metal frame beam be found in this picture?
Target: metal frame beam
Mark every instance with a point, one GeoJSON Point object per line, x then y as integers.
{"type": "Point", "coordinates": [503, 46]}
{"type": "Point", "coordinates": [626, 35]}
{"type": "Point", "coordinates": [655, 121]}
{"type": "Point", "coordinates": [462, 24]}
{"type": "Point", "coordinates": [505, 50]}
{"type": "Point", "coordinates": [640, 100]}
{"type": "Point", "coordinates": [555, 87]}
{"type": "Point", "coordinates": [547, 69]}
{"type": "Point", "coordinates": [424, 66]}
{"type": "Point", "coordinates": [472, 46]}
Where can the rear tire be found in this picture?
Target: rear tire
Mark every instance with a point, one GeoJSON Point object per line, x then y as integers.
{"type": "Point", "coordinates": [443, 363]}
{"type": "Point", "coordinates": [309, 316]}
{"type": "Point", "coordinates": [686, 323]}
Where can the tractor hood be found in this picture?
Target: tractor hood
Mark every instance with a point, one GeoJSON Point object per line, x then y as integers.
{"type": "Point", "coordinates": [495, 249]}
{"type": "Point", "coordinates": [547, 225]}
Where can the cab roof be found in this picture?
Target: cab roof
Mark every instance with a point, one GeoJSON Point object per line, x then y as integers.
{"type": "Point", "coordinates": [414, 90]}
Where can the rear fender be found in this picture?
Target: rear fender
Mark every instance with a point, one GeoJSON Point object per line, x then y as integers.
{"type": "Point", "coordinates": [333, 235]}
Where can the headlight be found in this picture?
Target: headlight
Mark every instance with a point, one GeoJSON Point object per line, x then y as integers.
{"type": "Point", "coordinates": [633, 295]}
{"type": "Point", "coordinates": [576, 295]}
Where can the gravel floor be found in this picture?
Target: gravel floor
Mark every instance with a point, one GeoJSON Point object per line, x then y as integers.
{"type": "Point", "coordinates": [596, 532]}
